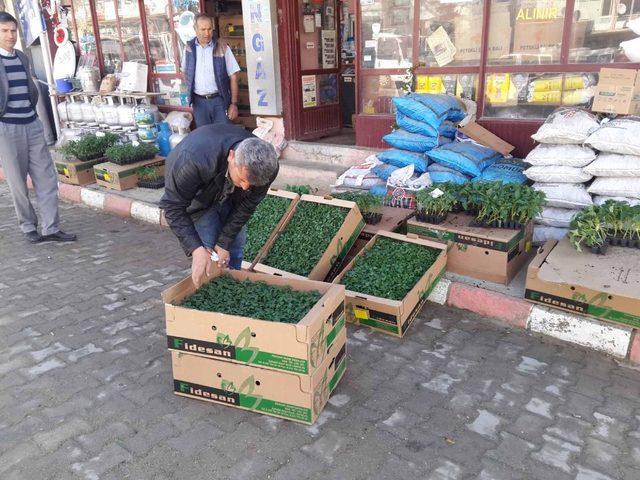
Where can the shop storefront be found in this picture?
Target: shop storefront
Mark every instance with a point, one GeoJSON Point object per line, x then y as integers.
{"type": "Point", "coordinates": [518, 59]}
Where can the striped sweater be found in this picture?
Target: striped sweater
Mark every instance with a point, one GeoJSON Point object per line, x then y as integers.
{"type": "Point", "coordinates": [19, 108]}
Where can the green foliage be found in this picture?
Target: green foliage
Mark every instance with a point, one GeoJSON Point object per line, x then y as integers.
{"type": "Point", "coordinates": [389, 269]}
{"type": "Point", "coordinates": [595, 224]}
{"type": "Point", "coordinates": [149, 174]}
{"type": "Point", "coordinates": [262, 222]}
{"type": "Point", "coordinates": [89, 147]}
{"type": "Point", "coordinates": [301, 189]}
{"type": "Point", "coordinates": [225, 294]}
{"type": "Point", "coordinates": [127, 154]}
{"type": "Point", "coordinates": [366, 202]}
{"type": "Point", "coordinates": [306, 237]}
{"type": "Point", "coordinates": [430, 203]}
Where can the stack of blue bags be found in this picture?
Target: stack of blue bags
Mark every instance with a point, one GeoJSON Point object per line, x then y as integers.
{"type": "Point", "coordinates": [427, 133]}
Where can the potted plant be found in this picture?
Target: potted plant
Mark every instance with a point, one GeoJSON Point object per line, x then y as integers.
{"type": "Point", "coordinates": [434, 203]}
{"type": "Point", "coordinates": [150, 177]}
{"type": "Point", "coordinates": [589, 228]}
{"type": "Point", "coordinates": [129, 153]}
{"type": "Point", "coordinates": [89, 147]}
{"type": "Point", "coordinates": [368, 204]}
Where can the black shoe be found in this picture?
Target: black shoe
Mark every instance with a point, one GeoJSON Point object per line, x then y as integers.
{"type": "Point", "coordinates": [59, 236]}
{"type": "Point", "coordinates": [33, 237]}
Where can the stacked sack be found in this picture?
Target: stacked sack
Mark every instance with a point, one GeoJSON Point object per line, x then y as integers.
{"type": "Point", "coordinates": [617, 168]}
{"type": "Point", "coordinates": [425, 122]}
{"type": "Point", "coordinates": [557, 169]}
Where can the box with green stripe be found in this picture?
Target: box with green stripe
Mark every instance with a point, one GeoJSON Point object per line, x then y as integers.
{"type": "Point", "coordinates": [291, 347]}
{"type": "Point", "coordinates": [286, 395]}
{"type": "Point", "coordinates": [492, 254]}
{"type": "Point", "coordinates": [389, 279]}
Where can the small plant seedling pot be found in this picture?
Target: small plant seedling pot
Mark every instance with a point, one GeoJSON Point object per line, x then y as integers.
{"type": "Point", "coordinates": [624, 242]}
{"type": "Point", "coordinates": [152, 184]}
{"type": "Point", "coordinates": [510, 224]}
{"type": "Point", "coordinates": [600, 249]}
{"type": "Point", "coordinates": [372, 218]}
{"type": "Point", "coordinates": [423, 216]}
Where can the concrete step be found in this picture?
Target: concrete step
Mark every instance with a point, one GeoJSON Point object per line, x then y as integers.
{"type": "Point", "coordinates": [301, 172]}
{"type": "Point", "coordinates": [325, 153]}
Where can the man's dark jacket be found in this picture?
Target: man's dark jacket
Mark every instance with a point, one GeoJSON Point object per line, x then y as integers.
{"type": "Point", "coordinates": [195, 174]}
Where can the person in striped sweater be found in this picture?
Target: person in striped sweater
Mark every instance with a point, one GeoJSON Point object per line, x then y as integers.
{"type": "Point", "coordinates": [23, 149]}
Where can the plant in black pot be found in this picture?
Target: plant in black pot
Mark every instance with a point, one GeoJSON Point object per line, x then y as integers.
{"type": "Point", "coordinates": [150, 177]}
{"type": "Point", "coordinates": [588, 228]}
{"type": "Point", "coordinates": [129, 153]}
{"type": "Point", "coordinates": [434, 203]}
{"type": "Point", "coordinates": [526, 204]}
{"type": "Point", "coordinates": [368, 204]}
{"type": "Point", "coordinates": [89, 147]}
{"type": "Point", "coordinates": [631, 225]}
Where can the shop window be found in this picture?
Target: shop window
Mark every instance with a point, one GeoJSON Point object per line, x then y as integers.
{"type": "Point", "coordinates": [377, 92]}
{"type": "Point", "coordinates": [174, 93]}
{"type": "Point", "coordinates": [161, 39]}
{"type": "Point", "coordinates": [451, 33]}
{"type": "Point", "coordinates": [319, 90]}
{"type": "Point", "coordinates": [120, 33]}
{"type": "Point", "coordinates": [600, 32]}
{"type": "Point", "coordinates": [318, 34]}
{"type": "Point", "coordinates": [184, 14]}
{"type": "Point", "coordinates": [84, 25]}
{"type": "Point", "coordinates": [387, 33]}
{"type": "Point", "coordinates": [462, 85]}
{"type": "Point", "coordinates": [526, 32]}
{"type": "Point", "coordinates": [535, 95]}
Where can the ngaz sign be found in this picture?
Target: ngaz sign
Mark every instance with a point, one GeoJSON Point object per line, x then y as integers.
{"type": "Point", "coordinates": [261, 45]}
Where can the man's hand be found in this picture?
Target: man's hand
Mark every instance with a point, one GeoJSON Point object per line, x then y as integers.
{"type": "Point", "coordinates": [223, 257]}
{"type": "Point", "coordinates": [200, 265]}
{"type": "Point", "coordinates": [232, 112]}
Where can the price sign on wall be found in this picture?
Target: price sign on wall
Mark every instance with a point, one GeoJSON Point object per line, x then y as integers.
{"type": "Point", "coordinates": [261, 43]}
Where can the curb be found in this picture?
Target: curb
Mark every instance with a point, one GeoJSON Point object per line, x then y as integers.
{"type": "Point", "coordinates": [620, 342]}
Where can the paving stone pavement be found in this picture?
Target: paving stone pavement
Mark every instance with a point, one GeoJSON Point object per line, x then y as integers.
{"type": "Point", "coordinates": [86, 393]}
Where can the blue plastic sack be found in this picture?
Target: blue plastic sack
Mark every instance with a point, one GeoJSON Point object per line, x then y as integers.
{"type": "Point", "coordinates": [383, 171]}
{"type": "Point", "coordinates": [413, 142]}
{"type": "Point", "coordinates": [465, 157]}
{"type": "Point", "coordinates": [441, 174]}
{"type": "Point", "coordinates": [379, 190]}
{"type": "Point", "coordinates": [508, 170]}
{"type": "Point", "coordinates": [430, 109]}
{"type": "Point", "coordinates": [402, 158]}
{"type": "Point", "coordinates": [447, 129]}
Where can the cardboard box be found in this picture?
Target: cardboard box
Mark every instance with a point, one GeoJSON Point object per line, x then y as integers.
{"type": "Point", "coordinates": [606, 287]}
{"type": "Point", "coordinates": [485, 137]}
{"type": "Point", "coordinates": [299, 348]}
{"type": "Point", "coordinates": [468, 34]}
{"type": "Point", "coordinates": [123, 177]}
{"type": "Point", "coordinates": [393, 316]}
{"type": "Point", "coordinates": [280, 394]}
{"type": "Point", "coordinates": [492, 254]}
{"type": "Point", "coordinates": [76, 172]}
{"type": "Point", "coordinates": [338, 247]}
{"type": "Point", "coordinates": [294, 197]}
{"type": "Point", "coordinates": [618, 91]}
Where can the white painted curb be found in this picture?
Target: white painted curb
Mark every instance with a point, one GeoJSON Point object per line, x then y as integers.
{"type": "Point", "coordinates": [92, 198]}
{"type": "Point", "coordinates": [589, 333]}
{"type": "Point", "coordinates": [440, 293]}
{"type": "Point", "coordinates": [145, 212]}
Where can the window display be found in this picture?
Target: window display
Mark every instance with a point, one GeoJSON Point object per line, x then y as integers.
{"type": "Point", "coordinates": [601, 32]}
{"type": "Point", "coordinates": [120, 33]}
{"type": "Point", "coordinates": [84, 25]}
{"type": "Point", "coordinates": [535, 95]}
{"type": "Point", "coordinates": [386, 33]}
{"type": "Point", "coordinates": [377, 92]}
{"type": "Point", "coordinates": [463, 85]}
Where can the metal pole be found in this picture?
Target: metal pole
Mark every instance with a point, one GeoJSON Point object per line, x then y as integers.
{"type": "Point", "coordinates": [46, 52]}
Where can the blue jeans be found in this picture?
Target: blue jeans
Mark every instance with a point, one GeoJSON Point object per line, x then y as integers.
{"type": "Point", "coordinates": [210, 111]}
{"type": "Point", "coordinates": [209, 226]}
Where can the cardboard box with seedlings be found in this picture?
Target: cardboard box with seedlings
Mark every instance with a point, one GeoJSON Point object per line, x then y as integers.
{"type": "Point", "coordinates": [124, 177]}
{"type": "Point", "coordinates": [270, 215]}
{"type": "Point", "coordinates": [398, 274]}
{"type": "Point", "coordinates": [281, 394]}
{"type": "Point", "coordinates": [606, 287]}
{"type": "Point", "coordinates": [491, 254]}
{"type": "Point", "coordinates": [74, 161]}
{"type": "Point", "coordinates": [76, 172]}
{"type": "Point", "coordinates": [314, 239]}
{"type": "Point", "coordinates": [298, 345]}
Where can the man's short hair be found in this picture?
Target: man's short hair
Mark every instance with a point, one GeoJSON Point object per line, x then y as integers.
{"type": "Point", "coordinates": [203, 16]}
{"type": "Point", "coordinates": [8, 18]}
{"type": "Point", "coordinates": [260, 159]}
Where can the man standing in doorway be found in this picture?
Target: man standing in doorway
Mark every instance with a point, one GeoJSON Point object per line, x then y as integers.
{"type": "Point", "coordinates": [211, 74]}
{"type": "Point", "coordinates": [23, 149]}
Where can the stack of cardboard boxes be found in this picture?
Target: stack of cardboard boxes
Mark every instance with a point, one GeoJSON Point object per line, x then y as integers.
{"type": "Point", "coordinates": [280, 369]}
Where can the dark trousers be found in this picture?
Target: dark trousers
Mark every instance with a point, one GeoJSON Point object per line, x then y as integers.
{"type": "Point", "coordinates": [209, 111]}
